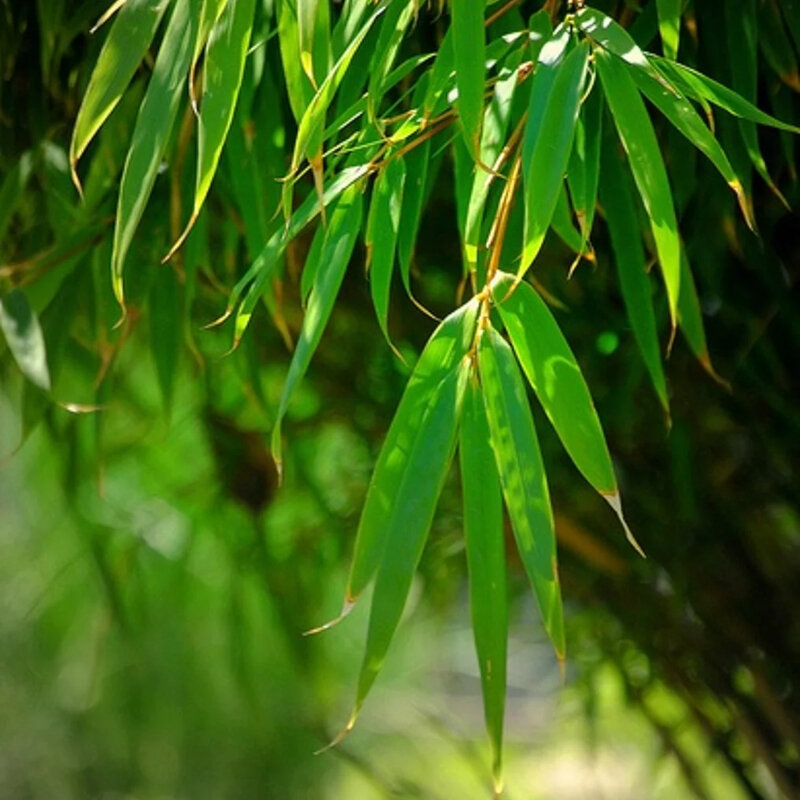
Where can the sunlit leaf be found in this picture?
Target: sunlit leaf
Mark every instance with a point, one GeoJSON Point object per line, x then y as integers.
{"type": "Point", "coordinates": [639, 140]}
{"type": "Point", "coordinates": [222, 78]}
{"type": "Point", "coordinates": [522, 476]}
{"type": "Point", "coordinates": [127, 42]}
{"type": "Point", "coordinates": [669, 25]}
{"type": "Point", "coordinates": [24, 338]}
{"type": "Point", "coordinates": [486, 561]}
{"type": "Point", "coordinates": [469, 50]}
{"type": "Point", "coordinates": [153, 127]}
{"type": "Point", "coordinates": [552, 114]}
{"type": "Point", "coordinates": [382, 509]}
{"type": "Point", "coordinates": [337, 247]}
{"type": "Point", "coordinates": [382, 228]}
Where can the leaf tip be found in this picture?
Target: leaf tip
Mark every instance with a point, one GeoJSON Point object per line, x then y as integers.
{"type": "Point", "coordinates": [348, 606]}
{"type": "Point", "coordinates": [339, 736]}
{"type": "Point", "coordinates": [615, 501]}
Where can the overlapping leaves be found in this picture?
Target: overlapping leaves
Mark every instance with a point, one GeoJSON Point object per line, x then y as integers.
{"type": "Point", "coordinates": [545, 119]}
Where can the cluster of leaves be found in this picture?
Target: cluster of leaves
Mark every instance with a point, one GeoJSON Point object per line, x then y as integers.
{"type": "Point", "coordinates": [546, 125]}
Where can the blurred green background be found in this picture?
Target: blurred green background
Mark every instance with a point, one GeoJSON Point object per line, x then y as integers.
{"type": "Point", "coordinates": [155, 581]}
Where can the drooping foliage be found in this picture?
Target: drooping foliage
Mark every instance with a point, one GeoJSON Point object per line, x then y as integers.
{"type": "Point", "coordinates": [311, 127]}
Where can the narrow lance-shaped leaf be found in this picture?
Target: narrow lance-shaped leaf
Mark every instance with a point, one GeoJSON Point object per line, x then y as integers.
{"type": "Point", "coordinates": [153, 127]}
{"type": "Point", "coordinates": [340, 239]}
{"type": "Point", "coordinates": [551, 123]}
{"type": "Point", "coordinates": [639, 140]}
{"type": "Point", "coordinates": [626, 243]}
{"type": "Point", "coordinates": [700, 87]}
{"type": "Point", "coordinates": [24, 337]}
{"type": "Point", "coordinates": [417, 162]}
{"type": "Point", "coordinates": [469, 50]}
{"type": "Point", "coordinates": [669, 26]}
{"type": "Point", "coordinates": [563, 225]}
{"type": "Point", "coordinates": [382, 228]}
{"type": "Point", "coordinates": [409, 520]}
{"type": "Point", "coordinates": [307, 13]}
{"type": "Point", "coordinates": [584, 162]}
{"type": "Point", "coordinates": [486, 562]}
{"type": "Point", "coordinates": [522, 476]}
{"type": "Point", "coordinates": [493, 136]}
{"type": "Point", "coordinates": [741, 27]}
{"type": "Point", "coordinates": [553, 372]}
{"type": "Point", "coordinates": [682, 114]}
{"type": "Point", "coordinates": [222, 79]}
{"type": "Point", "coordinates": [446, 348]}
{"type": "Point", "coordinates": [123, 50]}
{"type": "Point", "coordinates": [209, 14]}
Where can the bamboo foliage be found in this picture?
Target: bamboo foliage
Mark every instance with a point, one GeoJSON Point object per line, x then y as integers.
{"type": "Point", "coordinates": [551, 117]}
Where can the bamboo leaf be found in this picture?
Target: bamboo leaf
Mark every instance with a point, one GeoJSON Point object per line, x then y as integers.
{"type": "Point", "coordinates": [131, 34]}
{"type": "Point", "coordinates": [639, 140]}
{"type": "Point", "coordinates": [522, 476]}
{"type": "Point", "coordinates": [24, 337]}
{"type": "Point", "coordinates": [553, 372]}
{"type": "Point", "coordinates": [393, 29]}
{"type": "Point", "coordinates": [382, 229]}
{"type": "Point", "coordinates": [584, 163]}
{"type": "Point", "coordinates": [154, 124]}
{"type": "Point", "coordinates": [299, 90]}
{"type": "Point", "coordinates": [469, 51]}
{"type": "Point", "coordinates": [222, 79]}
{"type": "Point", "coordinates": [408, 519]}
{"type": "Point", "coordinates": [382, 509]}
{"type": "Point", "coordinates": [486, 561]}
{"type": "Point", "coordinates": [629, 255]}
{"type": "Point", "coordinates": [702, 88]}
{"type": "Point", "coordinates": [549, 132]}
{"type": "Point", "coordinates": [340, 239]}
{"type": "Point", "coordinates": [682, 114]}
{"type": "Point", "coordinates": [417, 162]}
{"type": "Point", "coordinates": [563, 225]}
{"type": "Point", "coordinates": [669, 26]}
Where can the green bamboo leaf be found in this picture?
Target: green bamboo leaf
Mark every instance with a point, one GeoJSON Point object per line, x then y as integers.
{"type": "Point", "coordinates": [311, 265]}
{"type": "Point", "coordinates": [563, 225]}
{"type": "Point", "coordinates": [469, 51]}
{"type": "Point", "coordinates": [417, 162]}
{"type": "Point", "coordinates": [408, 519]}
{"type": "Point", "coordinates": [700, 87]}
{"type": "Point", "coordinates": [123, 50]}
{"type": "Point", "coordinates": [626, 243]}
{"type": "Point", "coordinates": [439, 74]}
{"type": "Point", "coordinates": [308, 12]}
{"type": "Point", "coordinates": [493, 137]}
{"type": "Point", "coordinates": [222, 79]}
{"type": "Point", "coordinates": [24, 337]}
{"type": "Point", "coordinates": [299, 90]}
{"type": "Point", "coordinates": [154, 124]}
{"type": "Point", "coordinates": [486, 562]}
{"type": "Point", "coordinates": [669, 26]}
{"type": "Point", "coordinates": [340, 239]}
{"type": "Point", "coordinates": [312, 123]}
{"type": "Point", "coordinates": [264, 267]}
{"type": "Point", "coordinates": [393, 29]}
{"type": "Point", "coordinates": [584, 163]}
{"type": "Point", "coordinates": [382, 229]}
{"type": "Point", "coordinates": [682, 114]}
{"type": "Point", "coordinates": [549, 132]}
{"type": "Point", "coordinates": [639, 140]}
{"type": "Point", "coordinates": [445, 350]}
{"type": "Point", "coordinates": [553, 372]}
{"type": "Point", "coordinates": [522, 476]}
